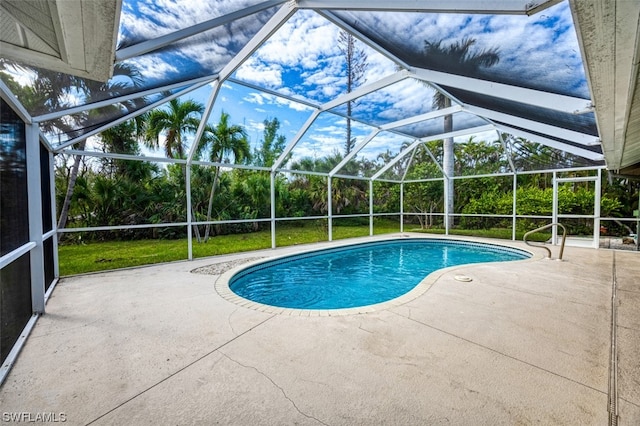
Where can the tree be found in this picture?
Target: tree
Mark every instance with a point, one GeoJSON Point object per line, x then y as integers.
{"type": "Point", "coordinates": [272, 146]}
{"type": "Point", "coordinates": [221, 142]}
{"type": "Point", "coordinates": [356, 66]}
{"type": "Point", "coordinates": [174, 123]}
{"type": "Point", "coordinates": [455, 58]}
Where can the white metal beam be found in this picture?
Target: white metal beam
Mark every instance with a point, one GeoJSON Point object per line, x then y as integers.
{"type": "Point", "coordinates": [507, 151]}
{"type": "Point", "coordinates": [354, 152]}
{"type": "Point", "coordinates": [128, 116]}
{"type": "Point", "coordinates": [34, 213]}
{"type": "Point", "coordinates": [295, 140]}
{"type": "Point", "coordinates": [494, 7]}
{"type": "Point", "coordinates": [14, 103]}
{"type": "Point", "coordinates": [305, 102]}
{"type": "Point", "coordinates": [536, 126]}
{"type": "Point", "coordinates": [203, 121]}
{"type": "Point", "coordinates": [551, 143]}
{"type": "Point", "coordinates": [119, 99]}
{"type": "Point", "coordinates": [129, 157]}
{"type": "Point", "coordinates": [453, 134]}
{"type": "Point", "coordinates": [538, 98]}
{"type": "Point", "coordinates": [276, 21]}
{"type": "Point", "coordinates": [435, 161]}
{"type": "Point", "coordinates": [422, 117]}
{"type": "Point", "coordinates": [406, 171]}
{"type": "Point", "coordinates": [366, 89]}
{"type": "Point", "coordinates": [167, 39]}
{"type": "Point", "coordinates": [397, 158]}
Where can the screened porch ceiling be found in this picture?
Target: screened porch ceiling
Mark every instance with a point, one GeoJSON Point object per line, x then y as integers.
{"type": "Point", "coordinates": [566, 78]}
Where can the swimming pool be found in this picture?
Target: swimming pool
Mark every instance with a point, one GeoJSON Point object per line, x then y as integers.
{"type": "Point", "coordinates": [358, 275]}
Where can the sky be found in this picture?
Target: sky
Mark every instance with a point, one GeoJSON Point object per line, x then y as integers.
{"type": "Point", "coordinates": [302, 60]}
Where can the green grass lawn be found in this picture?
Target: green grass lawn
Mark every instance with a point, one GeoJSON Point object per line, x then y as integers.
{"type": "Point", "coordinates": [100, 256]}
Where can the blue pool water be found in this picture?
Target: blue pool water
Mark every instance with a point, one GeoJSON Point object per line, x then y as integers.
{"type": "Point", "coordinates": [358, 275]}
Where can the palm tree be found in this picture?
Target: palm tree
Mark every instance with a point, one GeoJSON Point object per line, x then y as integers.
{"type": "Point", "coordinates": [174, 123]}
{"type": "Point", "coordinates": [222, 142]}
{"type": "Point", "coordinates": [456, 58]}
{"type": "Point", "coordinates": [58, 85]}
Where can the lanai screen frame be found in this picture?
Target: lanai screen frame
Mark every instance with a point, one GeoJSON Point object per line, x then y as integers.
{"type": "Point", "coordinates": [582, 143]}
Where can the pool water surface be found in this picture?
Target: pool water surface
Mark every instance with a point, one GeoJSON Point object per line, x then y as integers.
{"type": "Point", "coordinates": [358, 275]}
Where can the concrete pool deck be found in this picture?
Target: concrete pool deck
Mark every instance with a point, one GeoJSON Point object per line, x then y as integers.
{"type": "Point", "coordinates": [525, 342]}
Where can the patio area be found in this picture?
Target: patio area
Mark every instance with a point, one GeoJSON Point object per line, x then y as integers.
{"type": "Point", "coordinates": [525, 342]}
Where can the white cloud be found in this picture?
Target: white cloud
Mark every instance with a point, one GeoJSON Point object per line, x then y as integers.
{"type": "Point", "coordinates": [153, 67]}
{"type": "Point", "coordinates": [255, 98]}
{"type": "Point", "coordinates": [254, 71]}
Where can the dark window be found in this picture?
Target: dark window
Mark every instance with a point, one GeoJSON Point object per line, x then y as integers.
{"type": "Point", "coordinates": [49, 274]}
{"type": "Point", "coordinates": [45, 182]}
{"type": "Point", "coordinates": [15, 301]}
{"type": "Point", "coordinates": [14, 221]}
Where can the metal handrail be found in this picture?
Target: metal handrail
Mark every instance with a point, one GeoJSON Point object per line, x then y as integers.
{"type": "Point", "coordinates": [542, 228]}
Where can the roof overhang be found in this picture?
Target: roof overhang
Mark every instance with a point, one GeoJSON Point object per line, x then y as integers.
{"type": "Point", "coordinates": [609, 34]}
{"type": "Point", "coordinates": [76, 37]}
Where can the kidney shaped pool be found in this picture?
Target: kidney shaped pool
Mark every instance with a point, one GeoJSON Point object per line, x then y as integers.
{"type": "Point", "coordinates": [360, 274]}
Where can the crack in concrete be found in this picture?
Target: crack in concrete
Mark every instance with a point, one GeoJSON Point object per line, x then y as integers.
{"type": "Point", "coordinates": [274, 384]}
{"type": "Point", "coordinates": [629, 402]}
{"type": "Point", "coordinates": [52, 333]}
{"type": "Point", "coordinates": [364, 329]}
{"type": "Point", "coordinates": [181, 369]}
{"type": "Point", "coordinates": [229, 321]}
{"type": "Point", "coordinates": [501, 353]}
